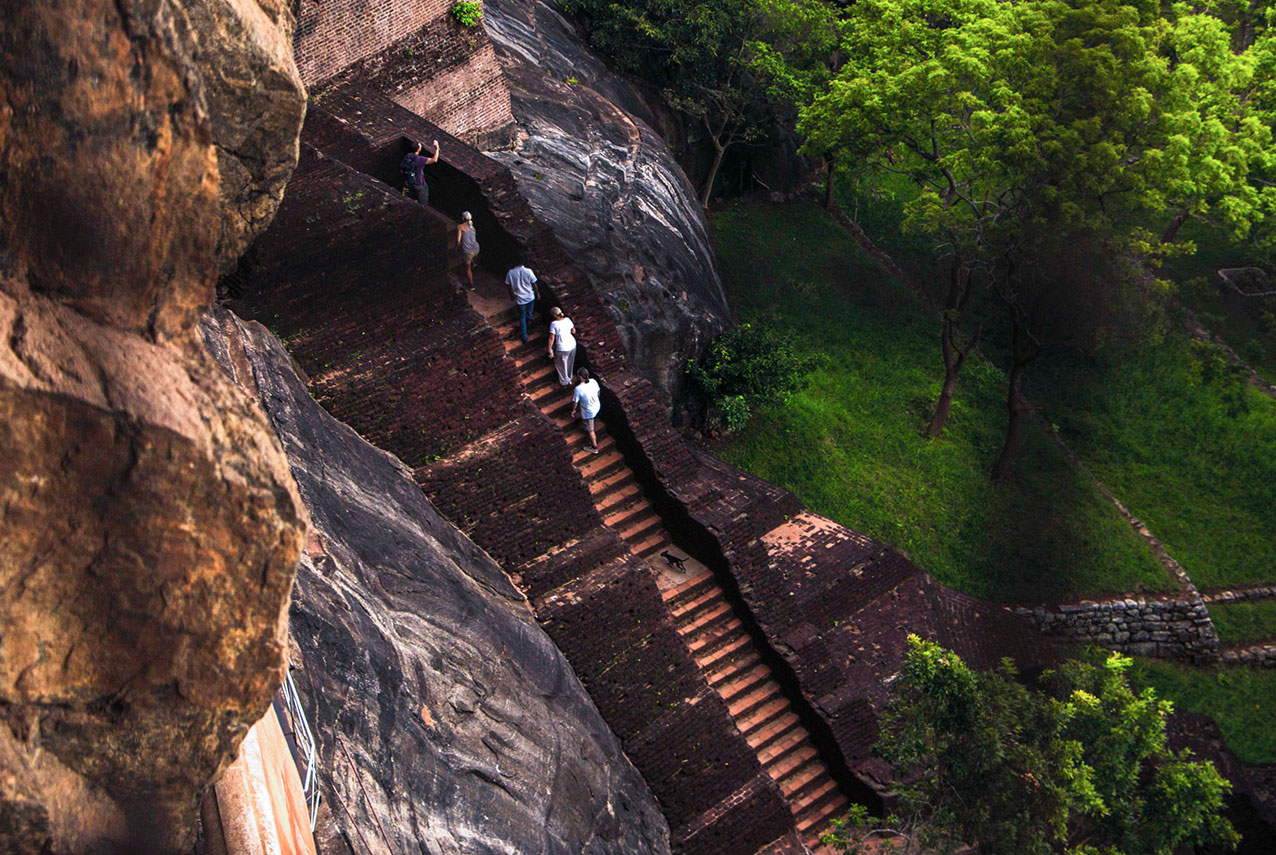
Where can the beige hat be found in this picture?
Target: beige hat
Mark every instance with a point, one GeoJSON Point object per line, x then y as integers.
{"type": "Point", "coordinates": [556, 312]}
{"type": "Point", "coordinates": [465, 215]}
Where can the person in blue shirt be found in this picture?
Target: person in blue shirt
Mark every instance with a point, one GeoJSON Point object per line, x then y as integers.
{"type": "Point", "coordinates": [522, 284]}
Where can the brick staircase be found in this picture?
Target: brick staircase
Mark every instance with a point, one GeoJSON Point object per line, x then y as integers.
{"type": "Point", "coordinates": [697, 604]}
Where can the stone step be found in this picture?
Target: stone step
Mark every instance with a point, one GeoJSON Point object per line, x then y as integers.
{"type": "Point", "coordinates": [705, 600]}
{"type": "Point", "coordinates": [697, 623]}
{"type": "Point", "coordinates": [649, 545]}
{"type": "Point", "coordinates": [652, 546]}
{"type": "Point", "coordinates": [814, 821]}
{"type": "Point", "coordinates": [733, 669]}
{"type": "Point", "coordinates": [707, 657]}
{"type": "Point", "coordinates": [605, 445]}
{"type": "Point", "coordinates": [619, 497]}
{"type": "Point", "coordinates": [638, 528]}
{"type": "Point", "coordinates": [781, 746]}
{"type": "Point", "coordinates": [792, 763]}
{"type": "Point", "coordinates": [602, 463]}
{"type": "Point", "coordinates": [750, 701]}
{"type": "Point", "coordinates": [688, 590]}
{"type": "Point", "coordinates": [614, 481]}
{"type": "Point", "coordinates": [577, 438]}
{"type": "Point", "coordinates": [774, 731]}
{"type": "Point", "coordinates": [556, 408]}
{"type": "Point", "coordinates": [542, 381]}
{"type": "Point", "coordinates": [709, 631]}
{"type": "Point", "coordinates": [803, 787]}
{"type": "Point", "coordinates": [622, 517]}
{"type": "Point", "coordinates": [541, 372]}
{"type": "Point", "coordinates": [759, 717]}
{"type": "Point", "coordinates": [744, 681]}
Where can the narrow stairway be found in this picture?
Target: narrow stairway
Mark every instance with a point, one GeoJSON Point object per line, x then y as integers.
{"type": "Point", "coordinates": [701, 613]}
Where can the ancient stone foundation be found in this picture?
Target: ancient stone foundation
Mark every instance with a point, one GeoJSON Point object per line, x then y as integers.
{"type": "Point", "coordinates": [1173, 628]}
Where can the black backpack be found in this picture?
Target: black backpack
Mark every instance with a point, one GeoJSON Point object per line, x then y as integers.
{"type": "Point", "coordinates": [407, 168]}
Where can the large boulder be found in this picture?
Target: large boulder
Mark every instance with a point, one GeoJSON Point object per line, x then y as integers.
{"type": "Point", "coordinates": [592, 167]}
{"type": "Point", "coordinates": [447, 720]}
{"type": "Point", "coordinates": [256, 103]}
{"type": "Point", "coordinates": [150, 526]}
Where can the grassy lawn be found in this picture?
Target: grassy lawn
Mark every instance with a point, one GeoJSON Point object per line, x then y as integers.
{"type": "Point", "coordinates": [1241, 699]}
{"type": "Point", "coordinates": [850, 444]}
{"type": "Point", "coordinates": [1241, 623]}
{"type": "Point", "coordinates": [1193, 456]}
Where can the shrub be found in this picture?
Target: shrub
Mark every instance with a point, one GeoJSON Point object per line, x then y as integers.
{"type": "Point", "coordinates": [746, 367]}
{"type": "Point", "coordinates": [467, 12]}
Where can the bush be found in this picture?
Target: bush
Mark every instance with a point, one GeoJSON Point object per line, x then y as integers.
{"type": "Point", "coordinates": [467, 12]}
{"type": "Point", "coordinates": [745, 367]}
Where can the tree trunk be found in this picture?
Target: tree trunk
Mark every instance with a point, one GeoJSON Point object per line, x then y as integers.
{"type": "Point", "coordinates": [718, 151]}
{"type": "Point", "coordinates": [828, 185]}
{"type": "Point", "coordinates": [1173, 228]}
{"type": "Point", "coordinates": [945, 402]}
{"type": "Point", "coordinates": [1014, 421]}
{"type": "Point", "coordinates": [953, 358]}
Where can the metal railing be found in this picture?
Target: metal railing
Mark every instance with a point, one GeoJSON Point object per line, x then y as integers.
{"type": "Point", "coordinates": [305, 746]}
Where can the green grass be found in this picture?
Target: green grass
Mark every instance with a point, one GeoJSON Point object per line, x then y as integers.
{"type": "Point", "coordinates": [1193, 455]}
{"type": "Point", "coordinates": [1242, 623]}
{"type": "Point", "coordinates": [1242, 699]}
{"type": "Point", "coordinates": [850, 445]}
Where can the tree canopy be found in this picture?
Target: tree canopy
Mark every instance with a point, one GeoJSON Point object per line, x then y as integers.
{"type": "Point", "coordinates": [1076, 763]}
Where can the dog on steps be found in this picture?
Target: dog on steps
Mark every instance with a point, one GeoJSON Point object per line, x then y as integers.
{"type": "Point", "coordinates": [679, 564]}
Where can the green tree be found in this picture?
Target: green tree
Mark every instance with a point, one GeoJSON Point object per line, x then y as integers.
{"type": "Point", "coordinates": [732, 66]}
{"type": "Point", "coordinates": [1077, 763]}
{"type": "Point", "coordinates": [745, 367]}
{"type": "Point", "coordinates": [1028, 126]}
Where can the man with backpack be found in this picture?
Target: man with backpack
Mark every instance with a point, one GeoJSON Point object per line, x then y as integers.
{"type": "Point", "coordinates": [412, 167]}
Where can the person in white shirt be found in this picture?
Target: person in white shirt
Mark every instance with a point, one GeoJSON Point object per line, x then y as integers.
{"type": "Point", "coordinates": [522, 285]}
{"type": "Point", "coordinates": [585, 400]}
{"type": "Point", "coordinates": [562, 345]}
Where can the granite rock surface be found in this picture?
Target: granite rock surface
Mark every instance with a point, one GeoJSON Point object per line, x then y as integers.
{"type": "Point", "coordinates": [439, 704]}
{"type": "Point", "coordinates": [150, 525]}
{"type": "Point", "coordinates": [592, 167]}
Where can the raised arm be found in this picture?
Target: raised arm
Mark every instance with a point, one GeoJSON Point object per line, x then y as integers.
{"type": "Point", "coordinates": [434, 158]}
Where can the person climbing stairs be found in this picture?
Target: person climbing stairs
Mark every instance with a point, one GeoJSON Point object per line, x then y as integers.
{"type": "Point", "coordinates": [698, 607]}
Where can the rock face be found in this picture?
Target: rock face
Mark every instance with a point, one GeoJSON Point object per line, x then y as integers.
{"type": "Point", "coordinates": [438, 701]}
{"type": "Point", "coordinates": [256, 102]}
{"type": "Point", "coordinates": [593, 168]}
{"type": "Point", "coordinates": [150, 525]}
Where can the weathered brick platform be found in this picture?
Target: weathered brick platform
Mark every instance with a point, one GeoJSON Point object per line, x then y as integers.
{"type": "Point", "coordinates": [353, 277]}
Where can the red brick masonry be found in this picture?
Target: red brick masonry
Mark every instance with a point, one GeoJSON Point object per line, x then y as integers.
{"type": "Point", "coordinates": [351, 276]}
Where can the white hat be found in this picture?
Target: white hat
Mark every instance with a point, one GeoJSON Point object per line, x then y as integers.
{"type": "Point", "coordinates": [465, 215]}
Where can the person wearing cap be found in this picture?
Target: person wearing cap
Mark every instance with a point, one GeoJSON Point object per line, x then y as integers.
{"type": "Point", "coordinates": [467, 240]}
{"type": "Point", "coordinates": [562, 345]}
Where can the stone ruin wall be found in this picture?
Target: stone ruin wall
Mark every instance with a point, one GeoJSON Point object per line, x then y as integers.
{"type": "Point", "coordinates": [415, 53]}
{"type": "Point", "coordinates": [1172, 628]}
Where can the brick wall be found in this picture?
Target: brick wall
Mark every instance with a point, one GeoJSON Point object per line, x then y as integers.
{"type": "Point", "coordinates": [351, 275]}
{"type": "Point", "coordinates": [830, 611]}
{"type": "Point", "coordinates": [416, 54]}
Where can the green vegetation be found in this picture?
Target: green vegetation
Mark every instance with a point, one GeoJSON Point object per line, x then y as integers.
{"type": "Point", "coordinates": [1077, 763]}
{"type": "Point", "coordinates": [747, 367]}
{"type": "Point", "coordinates": [1242, 699]}
{"type": "Point", "coordinates": [734, 68]}
{"type": "Point", "coordinates": [1187, 446]}
{"type": "Point", "coordinates": [1241, 623]}
{"type": "Point", "coordinates": [467, 13]}
{"type": "Point", "coordinates": [1043, 137]}
{"type": "Point", "coordinates": [850, 443]}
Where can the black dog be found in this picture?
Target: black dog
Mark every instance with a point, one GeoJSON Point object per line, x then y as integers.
{"type": "Point", "coordinates": [677, 563]}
